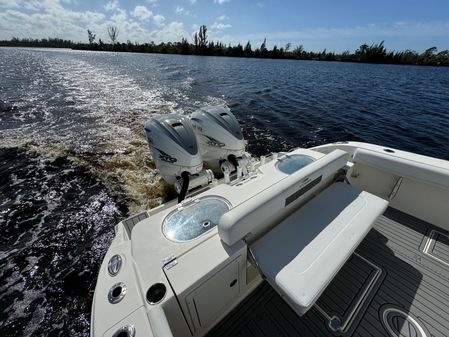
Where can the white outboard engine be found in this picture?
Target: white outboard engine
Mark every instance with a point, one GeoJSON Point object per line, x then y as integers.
{"type": "Point", "coordinates": [176, 153]}
{"type": "Point", "coordinates": [221, 140]}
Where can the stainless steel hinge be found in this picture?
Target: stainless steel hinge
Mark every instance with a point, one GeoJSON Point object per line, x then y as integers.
{"type": "Point", "coordinates": [169, 262]}
{"type": "Point", "coordinates": [187, 202]}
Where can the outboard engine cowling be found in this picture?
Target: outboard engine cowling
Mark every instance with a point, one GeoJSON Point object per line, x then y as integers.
{"type": "Point", "coordinates": [174, 147]}
{"type": "Point", "coordinates": [219, 134]}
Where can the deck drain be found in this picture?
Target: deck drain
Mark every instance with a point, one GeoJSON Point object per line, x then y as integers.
{"type": "Point", "coordinates": [125, 331]}
{"type": "Point", "coordinates": [117, 293]}
{"type": "Point", "coordinates": [401, 324]}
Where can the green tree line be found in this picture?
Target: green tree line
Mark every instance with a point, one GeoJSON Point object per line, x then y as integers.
{"type": "Point", "coordinates": [201, 45]}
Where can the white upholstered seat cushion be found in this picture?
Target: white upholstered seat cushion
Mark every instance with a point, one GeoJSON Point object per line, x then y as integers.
{"type": "Point", "coordinates": [302, 254]}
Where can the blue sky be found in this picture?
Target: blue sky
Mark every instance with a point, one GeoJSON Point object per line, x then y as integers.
{"type": "Point", "coordinates": [337, 25]}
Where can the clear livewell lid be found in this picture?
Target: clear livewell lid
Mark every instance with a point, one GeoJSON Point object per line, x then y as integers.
{"type": "Point", "coordinates": [195, 219]}
{"type": "Point", "coordinates": [294, 162]}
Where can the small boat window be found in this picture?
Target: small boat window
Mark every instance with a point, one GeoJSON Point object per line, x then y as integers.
{"type": "Point", "coordinates": [195, 219]}
{"type": "Point", "coordinates": [292, 163]}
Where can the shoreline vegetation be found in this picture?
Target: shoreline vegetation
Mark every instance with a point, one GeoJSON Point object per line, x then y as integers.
{"type": "Point", "coordinates": [200, 45]}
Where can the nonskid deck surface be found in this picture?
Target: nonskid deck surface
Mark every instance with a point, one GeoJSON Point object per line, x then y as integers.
{"type": "Point", "coordinates": [396, 284]}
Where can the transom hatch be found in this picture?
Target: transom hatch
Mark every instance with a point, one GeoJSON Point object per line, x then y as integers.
{"type": "Point", "coordinates": [194, 219]}
{"type": "Point", "coordinates": [292, 163]}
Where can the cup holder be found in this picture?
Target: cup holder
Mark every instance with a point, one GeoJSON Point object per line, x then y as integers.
{"type": "Point", "coordinates": [156, 293]}
{"type": "Point", "coordinates": [117, 293]}
{"type": "Point", "coordinates": [125, 331]}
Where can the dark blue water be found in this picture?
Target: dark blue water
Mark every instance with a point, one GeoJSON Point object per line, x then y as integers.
{"type": "Point", "coordinates": [74, 159]}
{"type": "Point", "coordinates": [310, 103]}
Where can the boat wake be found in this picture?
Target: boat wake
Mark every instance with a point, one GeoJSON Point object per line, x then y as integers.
{"type": "Point", "coordinates": [93, 115]}
{"type": "Point", "coordinates": [74, 161]}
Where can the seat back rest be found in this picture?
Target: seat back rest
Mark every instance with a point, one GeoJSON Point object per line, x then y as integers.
{"type": "Point", "coordinates": [403, 167]}
{"type": "Point", "coordinates": [274, 202]}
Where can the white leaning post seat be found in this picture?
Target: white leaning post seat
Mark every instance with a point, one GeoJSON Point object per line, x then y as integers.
{"type": "Point", "coordinates": [301, 255]}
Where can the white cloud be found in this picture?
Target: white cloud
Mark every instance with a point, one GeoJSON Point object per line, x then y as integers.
{"type": "Point", "coordinates": [192, 2]}
{"type": "Point", "coordinates": [119, 16]}
{"type": "Point", "coordinates": [260, 5]}
{"type": "Point", "coordinates": [142, 13]}
{"type": "Point", "coordinates": [220, 26]}
{"type": "Point", "coordinates": [33, 5]}
{"type": "Point", "coordinates": [151, 1]}
{"type": "Point", "coordinates": [223, 17]}
{"type": "Point", "coordinates": [8, 3]}
{"type": "Point", "coordinates": [53, 20]}
{"type": "Point", "coordinates": [174, 31]}
{"type": "Point", "coordinates": [37, 5]}
{"type": "Point", "coordinates": [220, 2]}
{"type": "Point", "coordinates": [70, 2]}
{"type": "Point", "coordinates": [111, 5]}
{"type": "Point", "coordinates": [181, 11]}
{"type": "Point", "coordinates": [71, 25]}
{"type": "Point", "coordinates": [159, 19]}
